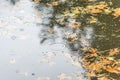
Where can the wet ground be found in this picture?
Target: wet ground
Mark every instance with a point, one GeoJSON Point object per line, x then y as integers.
{"type": "Point", "coordinates": [28, 51]}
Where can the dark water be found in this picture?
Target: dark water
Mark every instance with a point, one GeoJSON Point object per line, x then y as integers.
{"type": "Point", "coordinates": [29, 52]}
{"type": "Point", "coordinates": [107, 36]}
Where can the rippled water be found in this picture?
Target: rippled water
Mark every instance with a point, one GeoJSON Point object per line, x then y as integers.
{"type": "Point", "coordinates": [23, 56]}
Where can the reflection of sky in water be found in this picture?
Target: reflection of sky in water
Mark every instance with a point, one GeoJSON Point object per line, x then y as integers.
{"type": "Point", "coordinates": [87, 37]}
{"type": "Point", "coordinates": [21, 55]}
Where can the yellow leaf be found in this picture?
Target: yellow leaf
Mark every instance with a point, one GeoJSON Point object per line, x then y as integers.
{"type": "Point", "coordinates": [90, 7]}
{"type": "Point", "coordinates": [55, 3]}
{"type": "Point", "coordinates": [95, 11]}
{"type": "Point", "coordinates": [111, 69]}
{"type": "Point", "coordinates": [94, 66]}
{"type": "Point", "coordinates": [90, 74]}
{"type": "Point", "coordinates": [92, 50]}
{"type": "Point", "coordinates": [101, 5]}
{"type": "Point", "coordinates": [116, 12]}
{"type": "Point", "coordinates": [92, 20]}
{"type": "Point", "coordinates": [103, 78]}
{"type": "Point", "coordinates": [76, 11]}
{"type": "Point", "coordinates": [113, 51]}
{"type": "Point", "coordinates": [105, 60]}
{"type": "Point", "coordinates": [107, 11]}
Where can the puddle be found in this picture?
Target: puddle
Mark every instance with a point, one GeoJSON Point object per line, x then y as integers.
{"type": "Point", "coordinates": [22, 56]}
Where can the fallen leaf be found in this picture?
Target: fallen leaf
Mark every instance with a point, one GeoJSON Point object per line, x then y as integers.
{"type": "Point", "coordinates": [55, 3]}
{"type": "Point", "coordinates": [75, 25]}
{"type": "Point", "coordinates": [113, 51]}
{"type": "Point", "coordinates": [76, 11]}
{"type": "Point", "coordinates": [111, 69]}
{"type": "Point", "coordinates": [91, 74]}
{"type": "Point", "coordinates": [103, 78]}
{"type": "Point", "coordinates": [92, 50]}
{"type": "Point", "coordinates": [116, 12]}
{"type": "Point", "coordinates": [94, 66]}
{"type": "Point", "coordinates": [92, 20]}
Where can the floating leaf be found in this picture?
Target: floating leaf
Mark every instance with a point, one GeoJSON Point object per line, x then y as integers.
{"type": "Point", "coordinates": [101, 5]}
{"type": "Point", "coordinates": [116, 12]}
{"type": "Point", "coordinates": [94, 66]}
{"type": "Point", "coordinates": [103, 78]}
{"type": "Point", "coordinates": [113, 51]}
{"type": "Point", "coordinates": [111, 69]}
{"type": "Point", "coordinates": [76, 11]}
{"type": "Point", "coordinates": [107, 11]}
{"type": "Point", "coordinates": [55, 3]}
{"type": "Point", "coordinates": [92, 20]}
{"type": "Point", "coordinates": [75, 25]}
{"type": "Point", "coordinates": [91, 74]}
{"type": "Point", "coordinates": [95, 11]}
{"type": "Point", "coordinates": [92, 50]}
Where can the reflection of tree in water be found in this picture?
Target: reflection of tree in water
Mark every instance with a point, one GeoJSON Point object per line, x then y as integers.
{"type": "Point", "coordinates": [106, 36]}
{"type": "Point", "coordinates": [52, 21]}
{"type": "Point", "coordinates": [14, 1]}
{"type": "Point", "coordinates": [45, 14]}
